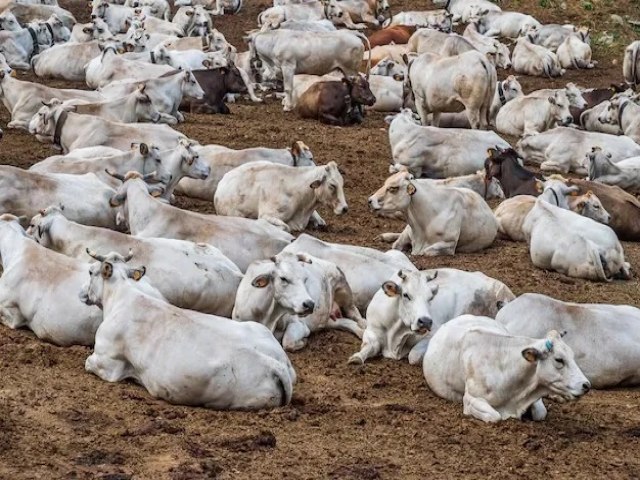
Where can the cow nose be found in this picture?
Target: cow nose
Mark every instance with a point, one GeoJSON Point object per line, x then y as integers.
{"type": "Point", "coordinates": [93, 17]}
{"type": "Point", "coordinates": [309, 306]}
{"type": "Point", "coordinates": [344, 210]}
{"type": "Point", "coordinates": [586, 386]}
{"type": "Point", "coordinates": [425, 322]}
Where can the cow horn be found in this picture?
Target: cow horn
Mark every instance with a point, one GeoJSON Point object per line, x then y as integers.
{"type": "Point", "coordinates": [128, 256]}
{"type": "Point", "coordinates": [92, 254]}
{"type": "Point", "coordinates": [115, 175]}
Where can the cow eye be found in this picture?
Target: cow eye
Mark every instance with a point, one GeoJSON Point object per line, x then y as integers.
{"type": "Point", "coordinates": [284, 280]}
{"type": "Point", "coordinates": [332, 187]}
{"type": "Point", "coordinates": [560, 362]}
{"type": "Point", "coordinates": [158, 161]}
{"type": "Point", "coordinates": [393, 189]}
{"type": "Point", "coordinates": [406, 296]}
{"type": "Point", "coordinates": [596, 207]}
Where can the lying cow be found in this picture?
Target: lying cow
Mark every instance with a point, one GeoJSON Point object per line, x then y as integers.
{"type": "Point", "coordinates": [525, 116]}
{"type": "Point", "coordinates": [301, 190]}
{"type": "Point", "coordinates": [590, 120]}
{"type": "Point", "coordinates": [571, 244]}
{"type": "Point", "coordinates": [497, 376]}
{"type": "Point", "coordinates": [552, 35]}
{"type": "Point", "coordinates": [613, 328]}
{"type": "Point", "coordinates": [625, 113]}
{"type": "Point", "coordinates": [624, 174]}
{"type": "Point", "coordinates": [20, 46]}
{"type": "Point", "coordinates": [563, 149]}
{"type": "Point", "coordinates": [398, 34]}
{"type": "Point", "coordinates": [240, 239]}
{"type": "Point", "coordinates": [133, 108]}
{"type": "Point", "coordinates": [434, 19]}
{"type": "Point", "coordinates": [488, 45]}
{"type": "Point", "coordinates": [436, 152]}
{"type": "Point", "coordinates": [222, 160]}
{"type": "Point", "coordinates": [489, 189]}
{"type": "Point", "coordinates": [367, 11]}
{"type": "Point", "coordinates": [217, 83]}
{"type": "Point", "coordinates": [46, 304]}
{"type": "Point", "coordinates": [293, 295]}
{"type": "Point", "coordinates": [214, 362]}
{"type": "Point", "coordinates": [631, 64]}
{"type": "Point", "coordinates": [574, 53]}
{"type": "Point", "coordinates": [33, 13]}
{"type": "Point", "coordinates": [411, 303]}
{"type": "Point", "coordinates": [531, 59]}
{"type": "Point", "coordinates": [364, 268]}
{"type": "Point", "coordinates": [97, 29]}
{"type": "Point", "coordinates": [441, 220]}
{"type": "Point", "coordinates": [444, 84]}
{"type": "Point", "coordinates": [462, 10]}
{"type": "Point", "coordinates": [207, 282]}
{"type": "Point", "coordinates": [505, 165]}
{"type": "Point", "coordinates": [503, 24]}
{"type": "Point", "coordinates": [574, 95]}
{"type": "Point", "coordinates": [336, 102]}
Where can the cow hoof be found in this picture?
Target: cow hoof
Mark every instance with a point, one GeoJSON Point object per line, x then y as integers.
{"type": "Point", "coordinates": [355, 360]}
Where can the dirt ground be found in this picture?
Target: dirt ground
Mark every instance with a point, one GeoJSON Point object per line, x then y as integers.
{"type": "Point", "coordinates": [377, 421]}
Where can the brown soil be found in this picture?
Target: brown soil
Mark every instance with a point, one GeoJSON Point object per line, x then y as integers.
{"type": "Point", "coordinates": [377, 421]}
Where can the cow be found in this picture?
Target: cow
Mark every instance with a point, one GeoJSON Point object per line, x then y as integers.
{"type": "Point", "coordinates": [68, 131]}
{"type": "Point", "coordinates": [389, 68]}
{"type": "Point", "coordinates": [525, 116]}
{"type": "Point", "coordinates": [294, 295]}
{"type": "Point", "coordinates": [194, 21]}
{"type": "Point", "coordinates": [571, 244]}
{"type": "Point", "coordinates": [207, 282]}
{"type": "Point", "coordinates": [505, 165]}
{"type": "Point", "coordinates": [511, 213]}
{"type": "Point", "coordinates": [310, 11]}
{"type": "Point", "coordinates": [153, 25]}
{"type": "Point", "coordinates": [291, 208]}
{"type": "Point", "coordinates": [370, 12]}
{"type": "Point", "coordinates": [590, 120]}
{"type": "Point", "coordinates": [531, 59]}
{"type": "Point", "coordinates": [217, 83]}
{"type": "Point", "coordinates": [240, 239]}
{"type": "Point", "coordinates": [563, 149]}
{"type": "Point", "coordinates": [388, 93]}
{"type": "Point", "coordinates": [426, 40]}
{"type": "Point", "coordinates": [624, 174]}
{"type": "Point", "coordinates": [411, 304]}
{"type": "Point", "coordinates": [435, 152]}
{"type": "Point", "coordinates": [497, 376]}
{"type": "Point", "coordinates": [159, 8]}
{"type": "Point", "coordinates": [574, 53]}
{"type": "Point", "coordinates": [503, 24]}
{"type": "Point", "coordinates": [336, 102]}
{"type": "Point", "coordinates": [222, 160]}
{"type": "Point", "coordinates": [287, 51]}
{"type": "Point", "coordinates": [594, 97]}
{"type": "Point", "coordinates": [441, 220]}
{"type": "Point", "coordinates": [461, 10]}
{"type": "Point", "coordinates": [97, 29]}
{"type": "Point", "coordinates": [488, 45]}
{"type": "Point", "coordinates": [23, 99]}
{"type": "Point", "coordinates": [214, 362]}
{"type": "Point", "coordinates": [39, 289]}
{"type": "Point", "coordinates": [398, 34]}
{"type": "Point", "coordinates": [434, 19]}
{"type": "Point", "coordinates": [364, 268]}
{"type": "Point", "coordinates": [447, 84]}
{"type": "Point", "coordinates": [20, 46]}
{"type": "Point", "coordinates": [84, 197]}
{"type": "Point", "coordinates": [552, 35]}
{"type": "Point", "coordinates": [631, 65]}
{"type": "Point", "coordinates": [613, 328]}
{"type": "Point", "coordinates": [166, 92]}
{"type": "Point", "coordinates": [117, 17]}
{"type": "Point", "coordinates": [489, 189]}
{"type": "Point", "coordinates": [9, 22]}
{"type": "Point", "coordinates": [180, 60]}
{"type": "Point", "coordinates": [573, 93]}
{"type": "Point", "coordinates": [311, 26]}
{"type": "Point", "coordinates": [624, 112]}
{"type": "Point", "coordinates": [135, 107]}
{"type": "Point", "coordinates": [33, 13]}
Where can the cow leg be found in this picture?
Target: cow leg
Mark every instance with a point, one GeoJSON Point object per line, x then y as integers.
{"type": "Point", "coordinates": [479, 408]}
{"type": "Point", "coordinates": [326, 117]}
{"type": "Point", "coordinates": [417, 352]}
{"type": "Point", "coordinates": [274, 221]}
{"type": "Point", "coordinates": [108, 369]}
{"type": "Point", "coordinates": [10, 314]}
{"type": "Point", "coordinates": [316, 221]}
{"type": "Point", "coordinates": [168, 119]}
{"type": "Point", "coordinates": [371, 347]}
{"type": "Point", "coordinates": [343, 297]}
{"type": "Point", "coordinates": [347, 325]}
{"type": "Point", "coordinates": [538, 411]}
{"type": "Point", "coordinates": [295, 336]}
{"type": "Point", "coordinates": [404, 240]}
{"type": "Point", "coordinates": [249, 85]}
{"type": "Point", "coordinates": [437, 249]}
{"type": "Point", "coordinates": [19, 124]}
{"type": "Point", "coordinates": [474, 117]}
{"type": "Point", "coordinates": [347, 21]}
{"type": "Point", "coordinates": [288, 72]}
{"type": "Point", "coordinates": [423, 112]}
{"type": "Point", "coordinates": [369, 18]}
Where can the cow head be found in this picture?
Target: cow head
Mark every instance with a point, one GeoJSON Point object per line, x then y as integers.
{"type": "Point", "coordinates": [502, 55]}
{"type": "Point", "coordinates": [559, 110]}
{"type": "Point", "coordinates": [43, 123]}
{"type": "Point", "coordinates": [5, 69]}
{"type": "Point", "coordinates": [191, 165]}
{"type": "Point", "coordinates": [144, 108]}
{"type": "Point", "coordinates": [190, 86]}
{"type": "Point", "coordinates": [285, 280]}
{"type": "Point", "coordinates": [590, 206]}
{"type": "Point", "coordinates": [99, 9]}
{"type": "Point", "coordinates": [574, 95]}
{"type": "Point", "coordinates": [511, 88]}
{"type": "Point", "coordinates": [61, 33]}
{"type": "Point", "coordinates": [388, 68]}
{"type": "Point", "coordinates": [611, 114]}
{"type": "Point", "coordinates": [412, 293]}
{"type": "Point", "coordinates": [108, 269]}
{"type": "Point", "coordinates": [328, 188]}
{"type": "Point", "coordinates": [555, 367]}
{"type": "Point", "coordinates": [130, 179]}
{"type": "Point", "coordinates": [495, 158]}
{"type": "Point", "coordinates": [41, 224]}
{"type": "Point", "coordinates": [359, 90]}
{"type": "Point", "coordinates": [302, 156]}
{"type": "Point", "coordinates": [9, 22]}
{"type": "Point", "coordinates": [395, 195]}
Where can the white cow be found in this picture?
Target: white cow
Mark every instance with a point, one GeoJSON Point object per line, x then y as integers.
{"type": "Point", "coordinates": [437, 152]}
{"type": "Point", "coordinates": [441, 220]}
{"type": "Point", "coordinates": [489, 190]}
{"type": "Point", "coordinates": [9, 22]}
{"type": "Point", "coordinates": [132, 108]}
{"type": "Point", "coordinates": [496, 375]}
{"type": "Point", "coordinates": [68, 60]}
{"type": "Point", "coordinates": [488, 45]}
{"type": "Point", "coordinates": [240, 239]}
{"type": "Point", "coordinates": [434, 19]}
{"type": "Point", "coordinates": [31, 13]}
{"type": "Point", "coordinates": [449, 84]}
{"type": "Point", "coordinates": [526, 115]}
{"type": "Point", "coordinates": [571, 244]}
{"type": "Point", "coordinates": [117, 17]}
{"type": "Point", "coordinates": [310, 11]}
{"type": "Point", "coordinates": [462, 9]}
{"type": "Point", "coordinates": [631, 64]}
{"type": "Point", "coordinates": [574, 53]}
{"type": "Point", "coordinates": [563, 149]}
{"type": "Point", "coordinates": [604, 338]}
{"type": "Point", "coordinates": [552, 35]}
{"type": "Point", "coordinates": [624, 174]}
{"type": "Point", "coordinates": [292, 205]}
{"type": "Point", "coordinates": [97, 29]}
{"type": "Point", "coordinates": [624, 112]}
{"type": "Point", "coordinates": [367, 11]}
{"type": "Point", "coordinates": [207, 282]}
{"type": "Point", "coordinates": [411, 302]}
{"type": "Point", "coordinates": [39, 289]}
{"type": "Point", "coordinates": [19, 46]}
{"type": "Point", "coordinates": [590, 120]}
{"type": "Point", "coordinates": [503, 24]}
{"type": "Point", "coordinates": [531, 59]}
{"type": "Point", "coordinates": [294, 295]}
{"type": "Point", "coordinates": [364, 268]}
{"type": "Point", "coordinates": [182, 356]}
{"type": "Point", "coordinates": [573, 93]}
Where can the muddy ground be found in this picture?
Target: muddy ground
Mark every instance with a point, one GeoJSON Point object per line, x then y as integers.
{"type": "Point", "coordinates": [377, 421]}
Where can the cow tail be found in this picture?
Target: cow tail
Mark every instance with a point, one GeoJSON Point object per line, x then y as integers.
{"type": "Point", "coordinates": [32, 63]}
{"type": "Point", "coordinates": [368, 44]}
{"type": "Point", "coordinates": [493, 79]}
{"type": "Point", "coordinates": [574, 62]}
{"type": "Point", "coordinates": [238, 8]}
{"type": "Point", "coordinates": [634, 66]}
{"type": "Point", "coordinates": [260, 19]}
{"type": "Point", "coordinates": [598, 261]}
{"type": "Point", "coordinates": [284, 382]}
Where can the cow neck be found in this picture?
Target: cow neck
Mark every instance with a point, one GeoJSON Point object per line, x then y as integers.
{"type": "Point", "coordinates": [420, 201]}
{"type": "Point", "coordinates": [503, 100]}
{"type": "Point", "coordinates": [62, 119]}
{"type": "Point", "coordinates": [61, 236]}
{"type": "Point", "coordinates": [34, 39]}
{"type": "Point", "coordinates": [12, 245]}
{"type": "Point", "coordinates": [50, 29]}
{"type": "Point", "coordinates": [140, 206]}
{"type": "Point", "coordinates": [621, 109]}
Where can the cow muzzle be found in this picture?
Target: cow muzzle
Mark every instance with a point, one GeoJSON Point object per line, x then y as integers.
{"type": "Point", "coordinates": [341, 209]}
{"type": "Point", "coordinates": [422, 325]}
{"type": "Point", "coordinates": [308, 306]}
{"type": "Point", "coordinates": [374, 204]}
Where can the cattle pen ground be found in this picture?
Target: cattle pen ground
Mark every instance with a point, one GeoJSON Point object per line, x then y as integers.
{"type": "Point", "coordinates": [377, 421]}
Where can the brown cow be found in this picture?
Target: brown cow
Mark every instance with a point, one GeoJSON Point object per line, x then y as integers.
{"type": "Point", "coordinates": [398, 34]}
{"type": "Point", "coordinates": [504, 166]}
{"type": "Point", "coordinates": [594, 97]}
{"type": "Point", "coordinates": [623, 207]}
{"type": "Point", "coordinates": [216, 83]}
{"type": "Point", "coordinates": [336, 102]}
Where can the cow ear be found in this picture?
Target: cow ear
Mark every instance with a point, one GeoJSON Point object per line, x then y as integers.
{"type": "Point", "coordinates": [106, 270]}
{"type": "Point", "coordinates": [398, 77]}
{"type": "Point", "coordinates": [261, 281]}
{"type": "Point", "coordinates": [206, 63]}
{"type": "Point", "coordinates": [580, 205]}
{"type": "Point", "coordinates": [491, 152]}
{"type": "Point", "coordinates": [391, 289]}
{"type": "Point", "coordinates": [303, 258]}
{"type": "Point", "coordinates": [434, 289]}
{"type": "Point", "coordinates": [87, 30]}
{"type": "Point", "coordinates": [531, 355]}
{"type": "Point", "coordinates": [316, 183]}
{"type": "Point", "coordinates": [552, 100]}
{"type": "Point", "coordinates": [539, 186]}
{"type": "Point", "coordinates": [411, 188]}
{"type": "Point", "coordinates": [137, 273]}
{"type": "Point", "coordinates": [144, 149]}
{"type": "Point", "coordinates": [224, 70]}
{"type": "Point", "coordinates": [117, 199]}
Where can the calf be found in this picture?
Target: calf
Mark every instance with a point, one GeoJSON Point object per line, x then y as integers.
{"type": "Point", "coordinates": [631, 65]}
{"type": "Point", "coordinates": [525, 116]}
{"type": "Point", "coordinates": [336, 102]}
{"type": "Point", "coordinates": [497, 376]}
{"type": "Point", "coordinates": [292, 207]}
{"type": "Point", "coordinates": [214, 362]}
{"type": "Point", "coordinates": [39, 289]}
{"type": "Point", "coordinates": [207, 282]}
{"type": "Point", "coordinates": [216, 84]}
{"type": "Point", "coordinates": [613, 328]}
{"type": "Point", "coordinates": [442, 220]}
{"type": "Point", "coordinates": [505, 165]}
{"type": "Point", "coordinates": [624, 174]}
{"type": "Point", "coordinates": [294, 295]}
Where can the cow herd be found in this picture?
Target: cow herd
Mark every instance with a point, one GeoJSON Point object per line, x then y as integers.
{"type": "Point", "coordinates": [201, 309]}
